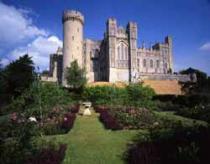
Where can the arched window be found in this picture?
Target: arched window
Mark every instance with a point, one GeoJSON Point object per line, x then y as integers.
{"type": "Point", "coordinates": [151, 63]}
{"type": "Point", "coordinates": [144, 63]}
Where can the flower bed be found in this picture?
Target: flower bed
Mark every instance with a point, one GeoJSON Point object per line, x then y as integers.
{"type": "Point", "coordinates": [134, 118]}
{"type": "Point", "coordinates": [68, 121]}
{"type": "Point", "coordinates": [109, 121]}
{"type": "Point", "coordinates": [100, 108]}
{"type": "Point", "coordinates": [59, 120]}
{"type": "Point", "coordinates": [189, 146]}
{"type": "Point", "coordinates": [74, 108]}
{"type": "Point", "coordinates": [49, 155]}
{"type": "Point", "coordinates": [125, 118]}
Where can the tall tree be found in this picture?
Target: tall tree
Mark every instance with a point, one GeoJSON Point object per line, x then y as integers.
{"type": "Point", "coordinates": [75, 76]}
{"type": "Point", "coordinates": [17, 76]}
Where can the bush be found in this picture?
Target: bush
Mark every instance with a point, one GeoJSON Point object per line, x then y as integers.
{"type": "Point", "coordinates": [134, 118]}
{"type": "Point", "coordinates": [102, 95]}
{"type": "Point", "coordinates": [100, 108]}
{"type": "Point", "coordinates": [49, 155]}
{"type": "Point", "coordinates": [132, 95]}
{"type": "Point", "coordinates": [15, 141]}
{"type": "Point", "coordinates": [40, 99]}
{"type": "Point", "coordinates": [74, 108]}
{"type": "Point", "coordinates": [200, 112]}
{"type": "Point", "coordinates": [108, 120]}
{"type": "Point", "coordinates": [181, 146]}
{"type": "Point", "coordinates": [68, 121]}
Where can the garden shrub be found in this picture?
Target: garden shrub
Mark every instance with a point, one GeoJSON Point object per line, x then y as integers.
{"type": "Point", "coordinates": [200, 112]}
{"type": "Point", "coordinates": [134, 118]}
{"type": "Point", "coordinates": [133, 95]}
{"type": "Point", "coordinates": [104, 95]}
{"type": "Point", "coordinates": [49, 155]}
{"type": "Point", "coordinates": [68, 121]}
{"type": "Point", "coordinates": [100, 108]}
{"type": "Point", "coordinates": [183, 145]}
{"type": "Point", "coordinates": [108, 120]}
{"type": "Point", "coordinates": [15, 140]}
{"type": "Point", "coordinates": [58, 125]}
{"type": "Point", "coordinates": [40, 99]}
{"type": "Point", "coordinates": [74, 108]}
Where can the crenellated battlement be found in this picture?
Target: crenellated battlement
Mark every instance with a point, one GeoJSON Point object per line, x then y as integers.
{"type": "Point", "coordinates": [72, 15]}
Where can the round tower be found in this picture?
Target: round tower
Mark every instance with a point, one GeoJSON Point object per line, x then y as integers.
{"type": "Point", "coordinates": [73, 22]}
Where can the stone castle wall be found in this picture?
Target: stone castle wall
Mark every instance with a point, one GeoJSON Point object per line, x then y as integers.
{"type": "Point", "coordinates": [114, 58]}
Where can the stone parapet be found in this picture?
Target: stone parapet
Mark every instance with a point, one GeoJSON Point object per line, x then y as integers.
{"type": "Point", "coordinates": [72, 14]}
{"type": "Point", "coordinates": [178, 77]}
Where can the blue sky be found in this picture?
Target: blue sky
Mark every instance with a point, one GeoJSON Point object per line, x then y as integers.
{"type": "Point", "coordinates": [27, 25]}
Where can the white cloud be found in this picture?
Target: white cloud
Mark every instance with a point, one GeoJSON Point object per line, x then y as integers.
{"type": "Point", "coordinates": [21, 36]}
{"type": "Point", "coordinates": [16, 26]}
{"type": "Point", "coordinates": [4, 62]}
{"type": "Point", "coordinates": [205, 47]}
{"type": "Point", "coordinates": [39, 49]}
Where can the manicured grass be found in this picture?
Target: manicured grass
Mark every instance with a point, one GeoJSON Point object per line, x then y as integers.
{"type": "Point", "coordinates": [184, 120]}
{"type": "Point", "coordinates": [88, 142]}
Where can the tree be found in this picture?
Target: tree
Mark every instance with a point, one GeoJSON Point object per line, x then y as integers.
{"type": "Point", "coordinates": [17, 77]}
{"type": "Point", "coordinates": [75, 76]}
{"type": "Point", "coordinates": [202, 81]}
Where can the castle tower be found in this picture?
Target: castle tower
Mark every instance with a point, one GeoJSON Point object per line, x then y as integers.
{"type": "Point", "coordinates": [111, 38]}
{"type": "Point", "coordinates": [73, 22]}
{"type": "Point", "coordinates": [132, 37]}
{"type": "Point", "coordinates": [168, 40]}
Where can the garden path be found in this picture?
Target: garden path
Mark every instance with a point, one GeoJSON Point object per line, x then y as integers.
{"type": "Point", "coordinates": [89, 143]}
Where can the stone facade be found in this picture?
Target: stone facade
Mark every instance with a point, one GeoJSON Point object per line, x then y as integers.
{"type": "Point", "coordinates": [114, 58]}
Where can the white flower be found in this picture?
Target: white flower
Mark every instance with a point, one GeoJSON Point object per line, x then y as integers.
{"type": "Point", "coordinates": [32, 119]}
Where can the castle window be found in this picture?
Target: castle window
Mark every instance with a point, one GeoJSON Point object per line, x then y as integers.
{"type": "Point", "coordinates": [144, 63]}
{"type": "Point", "coordinates": [158, 63]}
{"type": "Point", "coordinates": [151, 63]}
{"type": "Point", "coordinates": [72, 37]}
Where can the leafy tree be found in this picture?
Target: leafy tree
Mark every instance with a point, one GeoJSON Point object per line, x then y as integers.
{"type": "Point", "coordinates": [17, 77]}
{"type": "Point", "coordinates": [202, 81]}
{"type": "Point", "coordinates": [75, 76]}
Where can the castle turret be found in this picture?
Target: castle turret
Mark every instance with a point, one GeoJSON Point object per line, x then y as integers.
{"type": "Point", "coordinates": [168, 41]}
{"type": "Point", "coordinates": [73, 22]}
{"type": "Point", "coordinates": [132, 36]}
{"type": "Point", "coordinates": [111, 38]}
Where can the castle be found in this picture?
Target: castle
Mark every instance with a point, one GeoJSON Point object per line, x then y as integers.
{"type": "Point", "coordinates": [114, 58]}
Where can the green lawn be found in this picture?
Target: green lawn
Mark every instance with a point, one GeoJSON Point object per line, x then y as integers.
{"type": "Point", "coordinates": [88, 142]}
{"type": "Point", "coordinates": [185, 121]}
